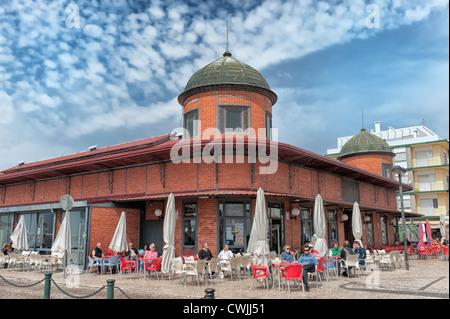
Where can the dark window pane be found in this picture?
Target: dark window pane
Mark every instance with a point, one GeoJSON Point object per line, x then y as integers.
{"type": "Point", "coordinates": [190, 210]}
{"type": "Point", "coordinates": [189, 232]}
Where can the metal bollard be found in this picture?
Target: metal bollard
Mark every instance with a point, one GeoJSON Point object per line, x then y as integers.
{"type": "Point", "coordinates": [209, 293]}
{"type": "Point", "coordinates": [110, 289]}
{"type": "Point", "coordinates": [48, 281]}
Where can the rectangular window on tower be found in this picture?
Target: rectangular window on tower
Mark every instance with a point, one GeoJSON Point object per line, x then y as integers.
{"type": "Point", "coordinates": [233, 119]}
{"type": "Point", "coordinates": [191, 123]}
{"type": "Point", "coordinates": [268, 126]}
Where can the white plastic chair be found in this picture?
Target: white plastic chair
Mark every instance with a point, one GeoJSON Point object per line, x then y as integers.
{"type": "Point", "coordinates": [388, 260]}
{"type": "Point", "coordinates": [232, 266]}
{"type": "Point", "coordinates": [177, 268]}
{"type": "Point", "coordinates": [351, 261]}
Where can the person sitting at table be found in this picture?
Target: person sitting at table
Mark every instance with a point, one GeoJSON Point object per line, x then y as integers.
{"type": "Point", "coordinates": [347, 250]}
{"type": "Point", "coordinates": [131, 252]}
{"type": "Point", "coordinates": [143, 250]}
{"type": "Point", "coordinates": [334, 252]}
{"type": "Point", "coordinates": [313, 251]}
{"type": "Point", "coordinates": [149, 255]}
{"type": "Point", "coordinates": [97, 254]}
{"type": "Point", "coordinates": [205, 253]}
{"type": "Point", "coordinates": [225, 254]}
{"type": "Point", "coordinates": [287, 255]}
{"type": "Point", "coordinates": [358, 250]}
{"type": "Point", "coordinates": [309, 262]}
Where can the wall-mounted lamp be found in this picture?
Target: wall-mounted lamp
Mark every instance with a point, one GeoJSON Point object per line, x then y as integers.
{"type": "Point", "coordinates": [294, 213]}
{"type": "Point", "coordinates": [158, 213]}
{"type": "Point", "coordinates": [344, 218]}
{"type": "Point", "coordinates": [366, 219]}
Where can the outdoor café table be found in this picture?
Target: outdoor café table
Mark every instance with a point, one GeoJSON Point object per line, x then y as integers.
{"type": "Point", "coordinates": [336, 260]}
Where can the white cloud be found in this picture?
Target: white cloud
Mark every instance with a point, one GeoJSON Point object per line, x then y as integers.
{"type": "Point", "coordinates": [124, 67]}
{"type": "Point", "coordinates": [6, 108]}
{"type": "Point", "coordinates": [93, 30]}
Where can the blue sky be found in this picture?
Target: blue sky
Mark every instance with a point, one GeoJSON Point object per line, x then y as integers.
{"type": "Point", "coordinates": [116, 78]}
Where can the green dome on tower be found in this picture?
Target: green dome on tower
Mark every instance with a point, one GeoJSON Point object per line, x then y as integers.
{"type": "Point", "coordinates": [365, 143]}
{"type": "Point", "coordinates": [227, 73]}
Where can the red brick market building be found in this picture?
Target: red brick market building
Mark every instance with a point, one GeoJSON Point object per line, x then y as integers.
{"type": "Point", "coordinates": [214, 179]}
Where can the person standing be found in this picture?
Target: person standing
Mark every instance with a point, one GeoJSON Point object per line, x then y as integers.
{"type": "Point", "coordinates": [309, 262]}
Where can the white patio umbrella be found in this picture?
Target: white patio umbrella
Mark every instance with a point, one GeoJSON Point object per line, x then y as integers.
{"type": "Point", "coordinates": [63, 241]}
{"type": "Point", "coordinates": [258, 244]}
{"type": "Point", "coordinates": [19, 236]}
{"type": "Point", "coordinates": [168, 235]}
{"type": "Point", "coordinates": [319, 227]}
{"type": "Point", "coordinates": [119, 240]}
{"type": "Point", "coordinates": [357, 224]}
{"type": "Point", "coordinates": [442, 228]}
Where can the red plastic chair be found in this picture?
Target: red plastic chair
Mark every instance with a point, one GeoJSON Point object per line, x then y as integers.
{"type": "Point", "coordinates": [153, 265]}
{"type": "Point", "coordinates": [293, 272]}
{"type": "Point", "coordinates": [321, 268]}
{"type": "Point", "coordinates": [127, 265]}
{"type": "Point", "coordinates": [264, 274]}
{"type": "Point", "coordinates": [423, 252]}
{"type": "Point", "coordinates": [446, 252]}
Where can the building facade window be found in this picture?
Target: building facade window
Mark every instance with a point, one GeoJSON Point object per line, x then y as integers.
{"type": "Point", "coordinates": [78, 231]}
{"type": "Point", "coordinates": [233, 119]}
{"type": "Point", "coordinates": [383, 227]}
{"type": "Point", "coordinates": [234, 224]}
{"type": "Point", "coordinates": [306, 224]}
{"type": "Point", "coordinates": [189, 223]}
{"type": "Point", "coordinates": [369, 230]}
{"type": "Point", "coordinates": [275, 212]}
{"type": "Point", "coordinates": [191, 123]}
{"type": "Point", "coordinates": [6, 227]}
{"type": "Point", "coordinates": [40, 230]}
{"type": "Point", "coordinates": [333, 229]}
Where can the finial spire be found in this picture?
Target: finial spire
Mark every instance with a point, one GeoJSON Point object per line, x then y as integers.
{"type": "Point", "coordinates": [227, 53]}
{"type": "Point", "coordinates": [227, 35]}
{"type": "Point", "coordinates": [362, 120]}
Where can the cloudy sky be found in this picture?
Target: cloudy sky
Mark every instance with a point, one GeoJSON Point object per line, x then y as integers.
{"type": "Point", "coordinates": [80, 73]}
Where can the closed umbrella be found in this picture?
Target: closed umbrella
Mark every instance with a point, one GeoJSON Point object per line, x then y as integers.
{"type": "Point", "coordinates": [63, 241]}
{"type": "Point", "coordinates": [119, 240]}
{"type": "Point", "coordinates": [19, 236]}
{"type": "Point", "coordinates": [168, 235]}
{"type": "Point", "coordinates": [319, 227]}
{"type": "Point", "coordinates": [442, 228]}
{"type": "Point", "coordinates": [421, 243]}
{"type": "Point", "coordinates": [257, 243]}
{"type": "Point", "coordinates": [430, 239]}
{"type": "Point", "coordinates": [357, 224]}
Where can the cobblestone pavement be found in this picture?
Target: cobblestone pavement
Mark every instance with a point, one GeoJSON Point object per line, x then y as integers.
{"type": "Point", "coordinates": [426, 279]}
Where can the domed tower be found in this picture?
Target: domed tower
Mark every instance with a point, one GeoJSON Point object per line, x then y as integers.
{"type": "Point", "coordinates": [369, 152]}
{"type": "Point", "coordinates": [227, 95]}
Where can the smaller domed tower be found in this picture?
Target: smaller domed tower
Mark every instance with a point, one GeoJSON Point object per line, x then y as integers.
{"type": "Point", "coordinates": [369, 152]}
